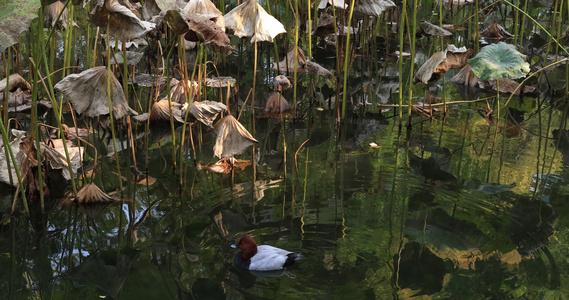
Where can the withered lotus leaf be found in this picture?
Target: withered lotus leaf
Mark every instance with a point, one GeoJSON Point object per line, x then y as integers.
{"type": "Point", "coordinates": [15, 81]}
{"type": "Point", "coordinates": [232, 138]}
{"type": "Point", "coordinates": [316, 69]}
{"type": "Point", "coordinates": [250, 20]}
{"type": "Point", "coordinates": [467, 78]}
{"type": "Point", "coordinates": [325, 25]}
{"type": "Point", "coordinates": [277, 103]}
{"type": "Point", "coordinates": [132, 58]}
{"type": "Point", "coordinates": [160, 111]}
{"type": "Point", "coordinates": [287, 64]}
{"type": "Point", "coordinates": [180, 90]}
{"type": "Point", "coordinates": [337, 3]}
{"type": "Point", "coordinates": [92, 194]}
{"type": "Point", "coordinates": [281, 83]}
{"type": "Point", "coordinates": [496, 31]}
{"type": "Point", "coordinates": [206, 111]}
{"type": "Point", "coordinates": [205, 9]}
{"type": "Point", "coordinates": [55, 157]}
{"type": "Point", "coordinates": [434, 30]}
{"type": "Point", "coordinates": [440, 62]}
{"type": "Point", "coordinates": [226, 165]}
{"type": "Point", "coordinates": [222, 81]}
{"type": "Point", "coordinates": [211, 35]}
{"type": "Point", "coordinates": [373, 7]}
{"type": "Point", "coordinates": [151, 8]}
{"type": "Point", "coordinates": [87, 92]}
{"type": "Point", "coordinates": [18, 136]}
{"type": "Point", "coordinates": [53, 11]}
{"type": "Point", "coordinates": [15, 18]}
{"type": "Point", "coordinates": [123, 23]}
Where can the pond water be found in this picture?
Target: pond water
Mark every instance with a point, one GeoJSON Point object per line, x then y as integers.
{"type": "Point", "coordinates": [460, 205]}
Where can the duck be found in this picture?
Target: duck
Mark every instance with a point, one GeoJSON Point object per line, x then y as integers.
{"type": "Point", "coordinates": [262, 257]}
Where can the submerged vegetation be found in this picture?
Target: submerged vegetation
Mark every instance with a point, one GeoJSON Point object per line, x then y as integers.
{"type": "Point", "coordinates": [407, 149]}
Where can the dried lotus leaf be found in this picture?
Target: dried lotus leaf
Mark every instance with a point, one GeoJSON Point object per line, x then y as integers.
{"type": "Point", "coordinates": [434, 30]}
{"type": "Point", "coordinates": [277, 104]}
{"type": "Point", "coordinates": [467, 78]}
{"type": "Point", "coordinates": [206, 111]}
{"type": "Point", "coordinates": [337, 3]}
{"type": "Point", "coordinates": [249, 19]}
{"type": "Point", "coordinates": [206, 9]}
{"type": "Point", "coordinates": [160, 111]}
{"type": "Point", "coordinates": [87, 92]}
{"type": "Point", "coordinates": [209, 33]}
{"type": "Point", "coordinates": [232, 138]}
{"type": "Point", "coordinates": [496, 31]}
{"type": "Point", "coordinates": [281, 83]}
{"type": "Point", "coordinates": [132, 58]}
{"type": "Point", "coordinates": [15, 81]}
{"type": "Point", "coordinates": [223, 81]}
{"type": "Point", "coordinates": [92, 194]}
{"type": "Point", "coordinates": [16, 17]}
{"type": "Point", "coordinates": [287, 64]}
{"type": "Point", "coordinates": [122, 22]}
{"type": "Point", "coordinates": [316, 69]}
{"type": "Point", "coordinates": [425, 72]}
{"type": "Point", "coordinates": [373, 7]}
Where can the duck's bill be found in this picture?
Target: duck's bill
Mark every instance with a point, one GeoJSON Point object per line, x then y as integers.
{"type": "Point", "coordinates": [234, 246]}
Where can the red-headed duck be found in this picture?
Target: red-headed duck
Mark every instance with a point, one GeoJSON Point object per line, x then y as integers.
{"type": "Point", "coordinates": [263, 257]}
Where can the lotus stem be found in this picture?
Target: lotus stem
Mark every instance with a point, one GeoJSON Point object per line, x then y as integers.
{"type": "Point", "coordinates": [413, 41]}
{"type": "Point", "coordinates": [346, 60]}
{"type": "Point", "coordinates": [401, 43]}
{"type": "Point", "coordinates": [110, 103]}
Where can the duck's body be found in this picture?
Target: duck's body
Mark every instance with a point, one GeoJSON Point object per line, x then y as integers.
{"type": "Point", "coordinates": [264, 257]}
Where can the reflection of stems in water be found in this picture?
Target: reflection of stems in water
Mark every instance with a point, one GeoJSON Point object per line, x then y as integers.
{"type": "Point", "coordinates": [296, 154]}
{"type": "Point", "coordinates": [401, 43]}
{"type": "Point", "coordinates": [543, 175]}
{"type": "Point", "coordinates": [463, 140]}
{"type": "Point", "coordinates": [304, 193]}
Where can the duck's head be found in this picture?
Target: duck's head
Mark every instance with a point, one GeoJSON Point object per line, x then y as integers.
{"type": "Point", "coordinates": [247, 246]}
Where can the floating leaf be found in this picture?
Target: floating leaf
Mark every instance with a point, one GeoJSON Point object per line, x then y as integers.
{"type": "Point", "coordinates": [250, 19]}
{"type": "Point", "coordinates": [15, 18]}
{"type": "Point", "coordinates": [498, 61]}
{"type": "Point", "coordinates": [373, 7]}
{"type": "Point", "coordinates": [87, 92]}
{"type": "Point", "coordinates": [232, 138]}
{"type": "Point", "coordinates": [92, 194]}
{"type": "Point", "coordinates": [226, 165]}
{"type": "Point", "coordinates": [433, 30]}
{"type": "Point", "coordinates": [123, 23]}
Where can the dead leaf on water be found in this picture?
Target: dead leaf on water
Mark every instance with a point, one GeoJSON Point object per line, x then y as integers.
{"type": "Point", "coordinates": [226, 165]}
{"type": "Point", "coordinates": [87, 92]}
{"type": "Point", "coordinates": [92, 194]}
{"type": "Point", "coordinates": [232, 138]}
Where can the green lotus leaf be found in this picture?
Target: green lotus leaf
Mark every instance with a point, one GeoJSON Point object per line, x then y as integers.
{"type": "Point", "coordinates": [499, 61]}
{"type": "Point", "coordinates": [15, 18]}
